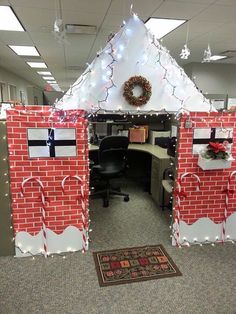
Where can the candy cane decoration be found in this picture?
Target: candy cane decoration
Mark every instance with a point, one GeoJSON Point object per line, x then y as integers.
{"type": "Point", "coordinates": [227, 192]}
{"type": "Point", "coordinates": [43, 199]}
{"type": "Point", "coordinates": [83, 204]}
{"type": "Point", "coordinates": [193, 175]}
{"type": "Point", "coordinates": [177, 215]}
{"type": "Point", "coordinates": [179, 193]}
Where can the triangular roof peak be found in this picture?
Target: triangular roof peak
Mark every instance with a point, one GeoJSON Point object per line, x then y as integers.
{"type": "Point", "coordinates": [134, 51]}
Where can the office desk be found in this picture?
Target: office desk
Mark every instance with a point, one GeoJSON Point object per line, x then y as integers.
{"type": "Point", "coordinates": [154, 150]}
{"type": "Point", "coordinates": [160, 160]}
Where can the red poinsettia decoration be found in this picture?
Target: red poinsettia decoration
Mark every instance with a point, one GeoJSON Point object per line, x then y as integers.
{"type": "Point", "coordinates": [216, 150]}
{"type": "Point", "coordinates": [216, 147]}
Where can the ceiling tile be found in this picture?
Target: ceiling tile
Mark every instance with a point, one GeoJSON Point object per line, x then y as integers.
{"type": "Point", "coordinates": [211, 21]}
{"type": "Point", "coordinates": [179, 10]}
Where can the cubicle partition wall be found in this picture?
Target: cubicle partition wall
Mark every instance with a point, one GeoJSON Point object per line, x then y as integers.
{"type": "Point", "coordinates": [6, 230]}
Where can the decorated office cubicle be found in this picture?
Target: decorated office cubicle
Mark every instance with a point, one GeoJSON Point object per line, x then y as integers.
{"type": "Point", "coordinates": [204, 210]}
{"type": "Point", "coordinates": [133, 74]}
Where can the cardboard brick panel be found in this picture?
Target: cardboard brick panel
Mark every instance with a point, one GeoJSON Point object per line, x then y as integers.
{"type": "Point", "coordinates": [204, 210]}
{"type": "Point", "coordinates": [63, 209]}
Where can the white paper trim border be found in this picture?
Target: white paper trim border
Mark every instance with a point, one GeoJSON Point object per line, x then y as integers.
{"type": "Point", "coordinates": [71, 239]}
{"type": "Point", "coordinates": [205, 229]}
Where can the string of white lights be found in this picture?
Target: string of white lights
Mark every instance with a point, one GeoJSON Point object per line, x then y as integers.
{"type": "Point", "coordinates": [109, 50]}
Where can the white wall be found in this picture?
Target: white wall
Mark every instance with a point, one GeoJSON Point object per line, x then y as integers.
{"type": "Point", "coordinates": [213, 78]}
{"type": "Point", "coordinates": [35, 95]}
{"type": "Point", "coordinates": [22, 85]}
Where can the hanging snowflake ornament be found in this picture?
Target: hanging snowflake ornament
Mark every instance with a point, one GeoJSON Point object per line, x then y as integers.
{"type": "Point", "coordinates": [57, 27]}
{"type": "Point", "coordinates": [59, 31]}
{"type": "Point", "coordinates": [207, 54]}
{"type": "Point", "coordinates": [185, 52]}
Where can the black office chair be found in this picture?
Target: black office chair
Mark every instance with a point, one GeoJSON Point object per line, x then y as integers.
{"type": "Point", "coordinates": [112, 164]}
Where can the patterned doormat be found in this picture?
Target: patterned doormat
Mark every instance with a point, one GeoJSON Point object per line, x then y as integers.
{"type": "Point", "coordinates": [134, 264]}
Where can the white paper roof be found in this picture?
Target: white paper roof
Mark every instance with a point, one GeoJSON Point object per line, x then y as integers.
{"type": "Point", "coordinates": [134, 51]}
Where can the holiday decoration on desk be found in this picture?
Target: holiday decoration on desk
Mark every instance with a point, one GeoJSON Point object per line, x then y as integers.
{"type": "Point", "coordinates": [215, 156]}
{"type": "Point", "coordinates": [129, 87]}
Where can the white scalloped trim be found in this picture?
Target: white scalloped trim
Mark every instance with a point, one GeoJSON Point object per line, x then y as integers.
{"type": "Point", "coordinates": [205, 228]}
{"type": "Point", "coordinates": [69, 240]}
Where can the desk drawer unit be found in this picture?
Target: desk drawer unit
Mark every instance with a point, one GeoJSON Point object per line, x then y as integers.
{"type": "Point", "coordinates": [158, 167]}
{"type": "Point", "coordinates": [155, 180]}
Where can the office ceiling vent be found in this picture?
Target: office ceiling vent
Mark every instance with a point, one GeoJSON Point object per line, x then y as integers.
{"type": "Point", "coordinates": [229, 53]}
{"type": "Point", "coordinates": [81, 29]}
{"type": "Point", "coordinates": [75, 68]}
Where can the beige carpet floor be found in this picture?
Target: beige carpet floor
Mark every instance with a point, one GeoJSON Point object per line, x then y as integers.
{"type": "Point", "coordinates": [70, 286]}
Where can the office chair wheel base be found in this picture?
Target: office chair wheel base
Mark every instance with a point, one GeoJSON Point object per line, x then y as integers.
{"type": "Point", "coordinates": [126, 198]}
{"type": "Point", "coordinates": [105, 203]}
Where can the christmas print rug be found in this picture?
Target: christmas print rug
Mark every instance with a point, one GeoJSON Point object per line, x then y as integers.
{"type": "Point", "coordinates": [134, 264]}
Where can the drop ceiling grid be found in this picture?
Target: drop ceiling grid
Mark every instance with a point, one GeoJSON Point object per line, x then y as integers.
{"type": "Point", "coordinates": [214, 19]}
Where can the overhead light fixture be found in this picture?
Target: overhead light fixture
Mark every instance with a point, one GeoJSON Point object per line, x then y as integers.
{"type": "Point", "coordinates": [25, 50]}
{"type": "Point", "coordinates": [39, 65]}
{"type": "Point", "coordinates": [52, 82]}
{"type": "Point", "coordinates": [9, 20]}
{"type": "Point", "coordinates": [51, 78]}
{"type": "Point", "coordinates": [44, 73]}
{"type": "Point", "coordinates": [215, 57]}
{"type": "Point", "coordinates": [56, 87]}
{"type": "Point", "coordinates": [160, 27]}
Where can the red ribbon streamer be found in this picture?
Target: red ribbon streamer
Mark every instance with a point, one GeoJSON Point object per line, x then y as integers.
{"type": "Point", "coordinates": [180, 194]}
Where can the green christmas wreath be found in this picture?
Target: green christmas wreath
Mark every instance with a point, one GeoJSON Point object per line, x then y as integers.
{"type": "Point", "coordinates": [146, 91]}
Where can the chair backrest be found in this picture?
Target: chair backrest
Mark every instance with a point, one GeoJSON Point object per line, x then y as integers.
{"type": "Point", "coordinates": [112, 153]}
{"type": "Point", "coordinates": [113, 142]}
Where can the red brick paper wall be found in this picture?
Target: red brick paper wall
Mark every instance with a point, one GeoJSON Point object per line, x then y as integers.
{"type": "Point", "coordinates": [62, 210]}
{"type": "Point", "coordinates": [209, 202]}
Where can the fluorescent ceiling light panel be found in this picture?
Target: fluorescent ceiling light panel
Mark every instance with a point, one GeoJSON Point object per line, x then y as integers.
{"type": "Point", "coordinates": [215, 58]}
{"type": "Point", "coordinates": [56, 87]}
{"type": "Point", "coordinates": [49, 78]}
{"type": "Point", "coordinates": [8, 20]}
{"type": "Point", "coordinates": [52, 82]}
{"type": "Point", "coordinates": [161, 27]}
{"type": "Point", "coordinates": [41, 65]}
{"type": "Point", "coordinates": [44, 73]}
{"type": "Point", "coordinates": [25, 50]}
